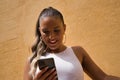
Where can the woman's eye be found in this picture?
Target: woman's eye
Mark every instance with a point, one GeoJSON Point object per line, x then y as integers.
{"type": "Point", "coordinates": [57, 30]}
{"type": "Point", "coordinates": [46, 32]}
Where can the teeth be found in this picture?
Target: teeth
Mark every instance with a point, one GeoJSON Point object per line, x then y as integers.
{"type": "Point", "coordinates": [53, 41]}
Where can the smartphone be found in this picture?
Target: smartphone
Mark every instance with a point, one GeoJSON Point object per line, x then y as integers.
{"type": "Point", "coordinates": [49, 62]}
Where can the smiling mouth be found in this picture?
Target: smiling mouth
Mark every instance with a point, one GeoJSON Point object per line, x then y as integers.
{"type": "Point", "coordinates": [53, 42]}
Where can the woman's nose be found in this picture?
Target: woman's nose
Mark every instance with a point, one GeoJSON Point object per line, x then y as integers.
{"type": "Point", "coordinates": [52, 35]}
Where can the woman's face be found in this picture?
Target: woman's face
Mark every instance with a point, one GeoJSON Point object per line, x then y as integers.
{"type": "Point", "coordinates": [52, 30]}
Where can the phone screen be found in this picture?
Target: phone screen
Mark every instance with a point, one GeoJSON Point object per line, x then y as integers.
{"type": "Point", "coordinates": [49, 62]}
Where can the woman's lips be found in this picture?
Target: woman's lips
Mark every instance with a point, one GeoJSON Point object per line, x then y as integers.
{"type": "Point", "coordinates": [52, 42]}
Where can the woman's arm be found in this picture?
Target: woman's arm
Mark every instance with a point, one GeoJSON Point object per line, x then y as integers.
{"type": "Point", "coordinates": [91, 68]}
{"type": "Point", "coordinates": [108, 77]}
{"type": "Point", "coordinates": [26, 71]}
{"type": "Point", "coordinates": [44, 74]}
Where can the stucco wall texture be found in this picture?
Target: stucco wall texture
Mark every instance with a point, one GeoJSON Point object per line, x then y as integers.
{"type": "Point", "coordinates": [92, 24]}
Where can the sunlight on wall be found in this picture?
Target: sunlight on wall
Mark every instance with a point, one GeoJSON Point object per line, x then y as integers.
{"type": "Point", "coordinates": [91, 24]}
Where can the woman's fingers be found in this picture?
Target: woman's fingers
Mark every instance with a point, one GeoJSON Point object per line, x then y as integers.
{"type": "Point", "coordinates": [48, 74]}
{"type": "Point", "coordinates": [53, 75]}
{"type": "Point", "coordinates": [41, 73]}
{"type": "Point", "coordinates": [55, 78]}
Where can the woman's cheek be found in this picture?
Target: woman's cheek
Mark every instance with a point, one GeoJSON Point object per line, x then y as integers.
{"type": "Point", "coordinates": [44, 39]}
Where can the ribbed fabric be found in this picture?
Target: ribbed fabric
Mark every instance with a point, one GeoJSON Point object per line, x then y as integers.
{"type": "Point", "coordinates": [67, 65]}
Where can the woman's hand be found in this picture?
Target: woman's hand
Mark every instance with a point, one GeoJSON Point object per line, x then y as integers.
{"type": "Point", "coordinates": [111, 78]}
{"type": "Point", "coordinates": [46, 74]}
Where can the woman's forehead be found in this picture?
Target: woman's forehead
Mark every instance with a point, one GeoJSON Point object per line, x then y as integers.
{"type": "Point", "coordinates": [50, 21]}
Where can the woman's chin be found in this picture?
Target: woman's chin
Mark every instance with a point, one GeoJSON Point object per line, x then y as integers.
{"type": "Point", "coordinates": [52, 48]}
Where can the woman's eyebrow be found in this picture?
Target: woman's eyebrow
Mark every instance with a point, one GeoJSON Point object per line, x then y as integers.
{"type": "Point", "coordinates": [56, 27]}
{"type": "Point", "coordinates": [44, 29]}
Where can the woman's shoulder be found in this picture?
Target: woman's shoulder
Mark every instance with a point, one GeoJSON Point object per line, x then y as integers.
{"type": "Point", "coordinates": [27, 62]}
{"type": "Point", "coordinates": [78, 49]}
{"type": "Point", "coordinates": [79, 52]}
{"type": "Point", "coordinates": [27, 76]}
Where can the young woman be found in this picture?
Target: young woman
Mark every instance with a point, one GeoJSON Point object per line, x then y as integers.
{"type": "Point", "coordinates": [70, 62]}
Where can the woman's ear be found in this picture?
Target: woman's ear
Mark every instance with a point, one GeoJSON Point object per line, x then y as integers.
{"type": "Point", "coordinates": [64, 27]}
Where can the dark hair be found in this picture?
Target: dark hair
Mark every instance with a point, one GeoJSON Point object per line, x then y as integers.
{"type": "Point", "coordinates": [50, 11]}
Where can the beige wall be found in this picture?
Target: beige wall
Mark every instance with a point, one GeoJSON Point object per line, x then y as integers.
{"type": "Point", "coordinates": [93, 24]}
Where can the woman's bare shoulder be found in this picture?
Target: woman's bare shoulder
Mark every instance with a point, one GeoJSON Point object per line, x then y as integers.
{"type": "Point", "coordinates": [79, 52]}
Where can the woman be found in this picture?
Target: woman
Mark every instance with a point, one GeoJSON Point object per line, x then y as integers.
{"type": "Point", "coordinates": [70, 62]}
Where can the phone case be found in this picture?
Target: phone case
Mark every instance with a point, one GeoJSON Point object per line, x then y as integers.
{"type": "Point", "coordinates": [49, 62]}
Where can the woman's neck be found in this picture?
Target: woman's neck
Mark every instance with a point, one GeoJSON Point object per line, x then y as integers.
{"type": "Point", "coordinates": [60, 49]}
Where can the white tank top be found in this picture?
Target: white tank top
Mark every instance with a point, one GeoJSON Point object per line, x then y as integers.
{"type": "Point", "coordinates": [67, 65]}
